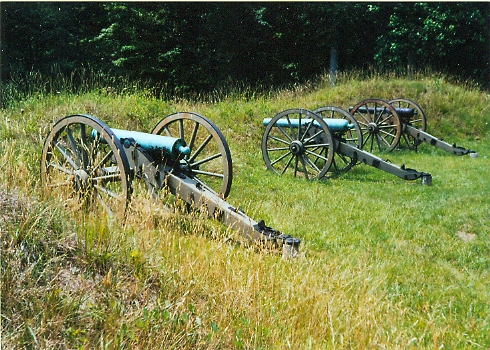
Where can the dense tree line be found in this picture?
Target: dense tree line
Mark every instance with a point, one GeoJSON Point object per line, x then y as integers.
{"type": "Point", "coordinates": [204, 45]}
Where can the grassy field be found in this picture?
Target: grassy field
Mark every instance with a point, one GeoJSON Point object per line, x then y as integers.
{"type": "Point", "coordinates": [384, 263]}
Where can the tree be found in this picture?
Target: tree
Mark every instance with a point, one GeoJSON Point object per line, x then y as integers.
{"type": "Point", "coordinates": [40, 36]}
{"type": "Point", "coordinates": [200, 46]}
{"type": "Point", "coordinates": [444, 36]}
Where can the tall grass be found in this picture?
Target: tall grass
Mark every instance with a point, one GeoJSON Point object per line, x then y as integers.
{"type": "Point", "coordinates": [384, 263]}
{"type": "Point", "coordinates": [21, 86]}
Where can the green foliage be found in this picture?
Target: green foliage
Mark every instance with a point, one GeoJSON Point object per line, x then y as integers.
{"type": "Point", "coordinates": [199, 47]}
{"type": "Point", "coordinates": [433, 34]}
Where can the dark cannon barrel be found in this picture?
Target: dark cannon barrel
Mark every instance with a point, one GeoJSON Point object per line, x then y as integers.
{"type": "Point", "coordinates": [403, 113]}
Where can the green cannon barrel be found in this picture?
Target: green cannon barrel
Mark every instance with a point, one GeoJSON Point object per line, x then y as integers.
{"type": "Point", "coordinates": [335, 125]}
{"type": "Point", "coordinates": [172, 147]}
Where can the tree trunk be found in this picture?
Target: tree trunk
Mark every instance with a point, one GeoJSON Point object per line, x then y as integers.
{"type": "Point", "coordinates": [488, 45]}
{"type": "Point", "coordinates": [410, 65]}
{"type": "Point", "coordinates": [333, 65]}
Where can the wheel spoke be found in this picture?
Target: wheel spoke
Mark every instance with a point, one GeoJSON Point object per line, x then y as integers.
{"type": "Point", "coordinates": [61, 168]}
{"type": "Point", "coordinates": [281, 158]}
{"type": "Point", "coordinates": [109, 193]}
{"type": "Point", "coordinates": [325, 145]}
{"type": "Point", "coordinates": [201, 147]}
{"type": "Point", "coordinates": [167, 131]}
{"type": "Point", "coordinates": [278, 149]}
{"type": "Point", "coordinates": [71, 161]}
{"type": "Point", "coordinates": [287, 164]}
{"type": "Point", "coordinates": [203, 184]}
{"type": "Point", "coordinates": [304, 146]}
{"type": "Point", "coordinates": [106, 207]}
{"type": "Point", "coordinates": [363, 124]}
{"type": "Point", "coordinates": [378, 115]}
{"type": "Point", "coordinates": [382, 138]}
{"type": "Point", "coordinates": [193, 137]}
{"type": "Point", "coordinates": [407, 139]}
{"type": "Point", "coordinates": [291, 129]}
{"type": "Point", "coordinates": [112, 177]}
{"type": "Point", "coordinates": [363, 120]}
{"type": "Point", "coordinates": [73, 146]}
{"type": "Point", "coordinates": [295, 165]}
{"type": "Point", "coordinates": [67, 157]}
{"type": "Point", "coordinates": [285, 133]}
{"type": "Point", "coordinates": [345, 159]}
{"type": "Point", "coordinates": [334, 165]}
{"type": "Point", "coordinates": [312, 164]}
{"type": "Point", "coordinates": [366, 139]}
{"type": "Point", "coordinates": [384, 133]}
{"type": "Point", "coordinates": [207, 159]}
{"type": "Point", "coordinates": [298, 137]}
{"type": "Point", "coordinates": [83, 138]}
{"type": "Point", "coordinates": [312, 138]}
{"type": "Point", "coordinates": [317, 155]}
{"type": "Point", "coordinates": [101, 162]}
{"type": "Point", "coordinates": [315, 152]}
{"type": "Point", "coordinates": [380, 124]}
{"type": "Point", "coordinates": [181, 129]}
{"type": "Point", "coordinates": [209, 154]}
{"type": "Point", "coordinates": [419, 122]}
{"type": "Point", "coordinates": [280, 140]}
{"type": "Point", "coordinates": [221, 176]}
{"type": "Point", "coordinates": [305, 171]}
{"type": "Point", "coordinates": [307, 130]}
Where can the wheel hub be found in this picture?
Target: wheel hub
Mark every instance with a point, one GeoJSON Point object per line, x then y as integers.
{"type": "Point", "coordinates": [296, 147]}
{"type": "Point", "coordinates": [187, 167]}
{"type": "Point", "coordinates": [81, 179]}
{"type": "Point", "coordinates": [373, 128]}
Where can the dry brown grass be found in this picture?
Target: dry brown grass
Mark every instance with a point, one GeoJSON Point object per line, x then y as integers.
{"type": "Point", "coordinates": [383, 264]}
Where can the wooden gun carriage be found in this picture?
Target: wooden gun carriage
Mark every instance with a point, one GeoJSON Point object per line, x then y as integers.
{"type": "Point", "coordinates": [319, 143]}
{"type": "Point", "coordinates": [85, 161]}
{"type": "Point", "coordinates": [385, 124]}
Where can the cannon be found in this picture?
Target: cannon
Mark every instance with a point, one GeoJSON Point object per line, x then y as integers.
{"type": "Point", "coordinates": [321, 143]}
{"type": "Point", "coordinates": [385, 124]}
{"type": "Point", "coordinates": [87, 163]}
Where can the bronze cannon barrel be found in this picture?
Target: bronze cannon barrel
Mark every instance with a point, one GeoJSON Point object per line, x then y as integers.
{"type": "Point", "coordinates": [173, 147]}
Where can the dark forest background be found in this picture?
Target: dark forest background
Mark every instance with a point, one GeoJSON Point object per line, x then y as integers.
{"type": "Point", "coordinates": [201, 46]}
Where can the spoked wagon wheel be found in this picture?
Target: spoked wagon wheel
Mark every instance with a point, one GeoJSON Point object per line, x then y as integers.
{"type": "Point", "coordinates": [342, 163]}
{"type": "Point", "coordinates": [299, 142]}
{"type": "Point", "coordinates": [84, 164]}
{"type": "Point", "coordinates": [418, 121]}
{"type": "Point", "coordinates": [380, 125]}
{"type": "Point", "coordinates": [209, 161]}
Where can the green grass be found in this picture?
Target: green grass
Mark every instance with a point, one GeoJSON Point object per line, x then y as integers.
{"type": "Point", "coordinates": [384, 263]}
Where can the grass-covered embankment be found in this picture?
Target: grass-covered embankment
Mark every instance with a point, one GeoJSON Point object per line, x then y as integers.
{"type": "Point", "coordinates": [384, 262]}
